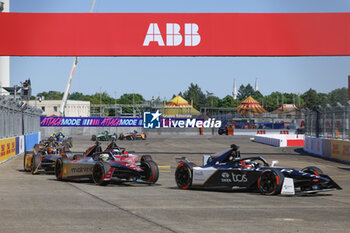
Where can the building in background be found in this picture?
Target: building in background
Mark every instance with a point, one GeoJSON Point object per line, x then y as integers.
{"type": "Point", "coordinates": [74, 108]}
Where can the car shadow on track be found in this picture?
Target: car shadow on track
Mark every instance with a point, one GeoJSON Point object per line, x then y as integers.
{"type": "Point", "coordinates": [252, 192]}
{"type": "Point", "coordinates": [111, 184]}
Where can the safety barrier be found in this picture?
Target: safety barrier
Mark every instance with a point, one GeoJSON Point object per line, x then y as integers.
{"type": "Point", "coordinates": [11, 147]}
{"type": "Point", "coordinates": [280, 140]}
{"type": "Point", "coordinates": [328, 148]}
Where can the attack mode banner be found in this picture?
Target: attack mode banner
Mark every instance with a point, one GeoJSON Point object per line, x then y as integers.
{"type": "Point", "coordinates": [174, 34]}
{"type": "Point", "coordinates": [90, 122]}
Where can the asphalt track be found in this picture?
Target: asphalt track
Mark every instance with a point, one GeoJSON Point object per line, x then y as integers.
{"type": "Point", "coordinates": [39, 203]}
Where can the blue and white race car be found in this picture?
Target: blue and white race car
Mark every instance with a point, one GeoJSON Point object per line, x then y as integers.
{"type": "Point", "coordinates": [227, 170]}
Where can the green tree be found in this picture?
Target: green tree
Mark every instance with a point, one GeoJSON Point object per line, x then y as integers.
{"type": "Point", "coordinates": [211, 100]}
{"type": "Point", "coordinates": [130, 99]}
{"type": "Point", "coordinates": [227, 102]}
{"type": "Point", "coordinates": [195, 93]}
{"type": "Point", "coordinates": [245, 91]}
{"type": "Point", "coordinates": [338, 95]}
{"type": "Point", "coordinates": [311, 99]}
{"type": "Point", "coordinates": [51, 95]}
{"type": "Point", "coordinates": [76, 96]}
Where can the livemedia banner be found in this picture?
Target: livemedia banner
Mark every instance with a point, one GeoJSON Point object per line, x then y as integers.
{"type": "Point", "coordinates": [90, 122]}
{"type": "Point", "coordinates": [174, 34]}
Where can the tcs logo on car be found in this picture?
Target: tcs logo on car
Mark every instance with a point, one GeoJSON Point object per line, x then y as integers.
{"type": "Point", "coordinates": [173, 35]}
{"type": "Point", "coordinates": [240, 178]}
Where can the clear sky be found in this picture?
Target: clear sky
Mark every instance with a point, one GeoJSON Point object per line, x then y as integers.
{"type": "Point", "coordinates": [150, 76]}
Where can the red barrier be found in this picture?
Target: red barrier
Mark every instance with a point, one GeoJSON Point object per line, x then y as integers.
{"type": "Point", "coordinates": [174, 34]}
{"type": "Point", "coordinates": [295, 142]}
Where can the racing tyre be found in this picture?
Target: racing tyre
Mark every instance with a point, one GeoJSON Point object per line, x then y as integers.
{"type": "Point", "coordinates": [183, 176]}
{"type": "Point", "coordinates": [312, 170]}
{"type": "Point", "coordinates": [150, 171]}
{"type": "Point", "coordinates": [25, 167]}
{"type": "Point", "coordinates": [36, 159]}
{"type": "Point", "coordinates": [220, 132]}
{"type": "Point", "coordinates": [270, 182]}
{"type": "Point", "coordinates": [59, 168]}
{"type": "Point", "coordinates": [93, 137]}
{"type": "Point", "coordinates": [99, 172]}
{"type": "Point", "coordinates": [146, 158]}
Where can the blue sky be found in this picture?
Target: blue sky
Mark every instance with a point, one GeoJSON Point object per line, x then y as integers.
{"type": "Point", "coordinates": [165, 76]}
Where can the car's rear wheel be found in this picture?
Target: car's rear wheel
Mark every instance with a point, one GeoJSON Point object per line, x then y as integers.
{"type": "Point", "coordinates": [99, 172]}
{"type": "Point", "coordinates": [146, 158]}
{"type": "Point", "coordinates": [183, 176]}
{"type": "Point", "coordinates": [313, 170]}
{"type": "Point", "coordinates": [25, 167]}
{"type": "Point", "coordinates": [150, 171]}
{"type": "Point", "coordinates": [35, 163]}
{"type": "Point", "coordinates": [93, 138]}
{"type": "Point", "coordinates": [270, 182]}
{"type": "Point", "coordinates": [59, 168]}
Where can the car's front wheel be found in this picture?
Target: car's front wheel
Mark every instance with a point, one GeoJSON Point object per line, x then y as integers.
{"type": "Point", "coordinates": [270, 182]}
{"type": "Point", "coordinates": [150, 171]}
{"type": "Point", "coordinates": [99, 172]}
{"type": "Point", "coordinates": [59, 168]}
{"type": "Point", "coordinates": [183, 176]}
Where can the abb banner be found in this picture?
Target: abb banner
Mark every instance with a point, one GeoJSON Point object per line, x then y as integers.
{"type": "Point", "coordinates": [174, 34]}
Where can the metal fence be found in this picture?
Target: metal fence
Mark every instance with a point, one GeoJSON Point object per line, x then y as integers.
{"type": "Point", "coordinates": [17, 118]}
{"type": "Point", "coordinates": [328, 122]}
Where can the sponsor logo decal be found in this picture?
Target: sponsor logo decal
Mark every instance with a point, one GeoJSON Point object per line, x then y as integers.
{"type": "Point", "coordinates": [237, 178]}
{"type": "Point", "coordinates": [151, 120]}
{"type": "Point", "coordinates": [191, 123]}
{"type": "Point", "coordinates": [173, 35]}
{"type": "Point", "coordinates": [81, 169]}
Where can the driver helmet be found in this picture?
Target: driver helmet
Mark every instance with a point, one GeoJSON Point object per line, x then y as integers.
{"type": "Point", "coordinates": [104, 157]}
{"type": "Point", "coordinates": [116, 151]}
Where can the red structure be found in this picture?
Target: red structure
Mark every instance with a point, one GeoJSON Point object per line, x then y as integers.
{"type": "Point", "coordinates": [174, 34]}
{"type": "Point", "coordinates": [349, 87]}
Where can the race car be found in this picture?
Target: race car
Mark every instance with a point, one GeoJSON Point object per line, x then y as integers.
{"type": "Point", "coordinates": [104, 136]}
{"type": "Point", "coordinates": [107, 166]}
{"type": "Point", "coordinates": [227, 170]}
{"type": "Point", "coordinates": [133, 136]}
{"type": "Point", "coordinates": [44, 161]}
{"type": "Point", "coordinates": [60, 138]}
{"type": "Point", "coordinates": [45, 147]}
